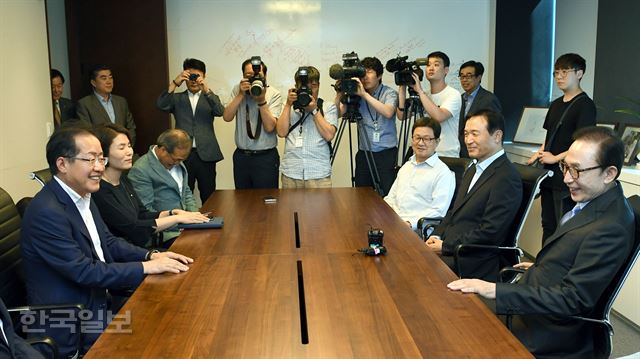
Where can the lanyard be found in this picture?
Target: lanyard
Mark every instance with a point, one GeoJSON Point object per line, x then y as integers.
{"type": "Point", "coordinates": [375, 119]}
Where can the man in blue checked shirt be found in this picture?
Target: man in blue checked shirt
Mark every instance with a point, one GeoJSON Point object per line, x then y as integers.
{"type": "Point", "coordinates": [308, 125]}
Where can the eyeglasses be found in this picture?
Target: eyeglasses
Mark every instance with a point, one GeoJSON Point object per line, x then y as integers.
{"type": "Point", "coordinates": [92, 161]}
{"type": "Point", "coordinates": [466, 77]}
{"type": "Point", "coordinates": [574, 172]}
{"type": "Point", "coordinates": [426, 140]}
{"type": "Point", "coordinates": [562, 73]}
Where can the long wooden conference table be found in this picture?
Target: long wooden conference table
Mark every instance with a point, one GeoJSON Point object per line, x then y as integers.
{"type": "Point", "coordinates": [285, 280]}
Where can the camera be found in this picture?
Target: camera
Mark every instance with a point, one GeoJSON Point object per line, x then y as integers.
{"type": "Point", "coordinates": [403, 69]}
{"type": "Point", "coordinates": [193, 77]}
{"type": "Point", "coordinates": [258, 83]}
{"type": "Point", "coordinates": [302, 90]}
{"type": "Point", "coordinates": [375, 236]}
{"type": "Point", "coordinates": [351, 67]}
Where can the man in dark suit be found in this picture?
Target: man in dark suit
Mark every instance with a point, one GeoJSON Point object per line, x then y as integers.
{"type": "Point", "coordinates": [11, 345]}
{"type": "Point", "coordinates": [69, 255]}
{"type": "Point", "coordinates": [474, 98]}
{"type": "Point", "coordinates": [160, 178]}
{"type": "Point", "coordinates": [576, 263]}
{"type": "Point", "coordinates": [64, 110]}
{"type": "Point", "coordinates": [194, 111]}
{"type": "Point", "coordinates": [104, 107]}
{"type": "Point", "coordinates": [486, 202]}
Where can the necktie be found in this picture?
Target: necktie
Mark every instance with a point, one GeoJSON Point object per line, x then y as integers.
{"type": "Point", "coordinates": [56, 115]}
{"type": "Point", "coordinates": [465, 103]}
{"type": "Point", "coordinates": [567, 216]}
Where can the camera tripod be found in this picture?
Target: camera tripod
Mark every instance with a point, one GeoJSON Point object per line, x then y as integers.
{"type": "Point", "coordinates": [413, 110]}
{"type": "Point", "coordinates": [352, 115]}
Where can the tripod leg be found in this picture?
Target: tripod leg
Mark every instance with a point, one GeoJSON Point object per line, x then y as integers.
{"type": "Point", "coordinates": [371, 163]}
{"type": "Point", "coordinates": [343, 123]}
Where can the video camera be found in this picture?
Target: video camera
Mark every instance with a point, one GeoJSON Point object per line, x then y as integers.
{"type": "Point", "coordinates": [302, 89]}
{"type": "Point", "coordinates": [258, 83]}
{"type": "Point", "coordinates": [351, 67]}
{"type": "Point", "coordinates": [403, 69]}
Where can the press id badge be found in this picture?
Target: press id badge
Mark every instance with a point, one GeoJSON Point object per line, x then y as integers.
{"type": "Point", "coordinates": [298, 141]}
{"type": "Point", "coordinates": [376, 136]}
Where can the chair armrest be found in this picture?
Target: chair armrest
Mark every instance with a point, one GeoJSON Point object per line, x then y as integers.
{"type": "Point", "coordinates": [505, 270]}
{"type": "Point", "coordinates": [462, 249]}
{"type": "Point", "coordinates": [52, 307]}
{"type": "Point", "coordinates": [427, 223]}
{"type": "Point", "coordinates": [48, 341]}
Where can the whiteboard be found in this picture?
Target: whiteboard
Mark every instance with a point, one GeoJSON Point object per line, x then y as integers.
{"type": "Point", "coordinates": [225, 33]}
{"type": "Point", "coordinates": [530, 128]}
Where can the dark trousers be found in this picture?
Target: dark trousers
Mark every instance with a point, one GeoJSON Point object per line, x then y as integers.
{"type": "Point", "coordinates": [386, 162]}
{"type": "Point", "coordinates": [551, 202]}
{"type": "Point", "coordinates": [202, 171]}
{"type": "Point", "coordinates": [256, 169]}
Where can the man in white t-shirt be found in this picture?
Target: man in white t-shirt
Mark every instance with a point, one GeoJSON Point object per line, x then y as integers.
{"type": "Point", "coordinates": [442, 103]}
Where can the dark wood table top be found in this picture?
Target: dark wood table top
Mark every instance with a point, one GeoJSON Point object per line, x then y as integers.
{"type": "Point", "coordinates": [241, 296]}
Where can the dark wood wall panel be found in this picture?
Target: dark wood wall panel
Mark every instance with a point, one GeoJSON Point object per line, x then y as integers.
{"type": "Point", "coordinates": [131, 38]}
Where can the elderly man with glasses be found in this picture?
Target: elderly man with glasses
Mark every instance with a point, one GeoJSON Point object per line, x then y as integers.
{"type": "Point", "coordinates": [474, 98]}
{"type": "Point", "coordinates": [69, 255]}
{"type": "Point", "coordinates": [425, 185]}
{"type": "Point", "coordinates": [577, 262]}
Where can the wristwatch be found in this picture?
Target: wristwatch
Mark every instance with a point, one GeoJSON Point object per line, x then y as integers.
{"type": "Point", "coordinates": [314, 111]}
{"type": "Point", "coordinates": [147, 257]}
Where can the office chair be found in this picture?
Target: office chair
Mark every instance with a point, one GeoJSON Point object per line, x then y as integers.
{"type": "Point", "coordinates": [12, 287]}
{"type": "Point", "coordinates": [42, 176]}
{"type": "Point", "coordinates": [531, 178]}
{"type": "Point", "coordinates": [600, 313]}
{"type": "Point", "coordinates": [458, 166]}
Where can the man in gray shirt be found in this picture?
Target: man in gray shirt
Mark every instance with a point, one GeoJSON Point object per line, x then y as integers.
{"type": "Point", "coordinates": [256, 107]}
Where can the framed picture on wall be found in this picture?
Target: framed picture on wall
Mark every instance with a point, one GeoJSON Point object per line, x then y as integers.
{"type": "Point", "coordinates": [631, 140]}
{"type": "Point", "coordinates": [612, 126]}
{"type": "Point", "coordinates": [530, 126]}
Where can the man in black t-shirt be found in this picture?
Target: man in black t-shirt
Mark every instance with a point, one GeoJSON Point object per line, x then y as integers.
{"type": "Point", "coordinates": [569, 112]}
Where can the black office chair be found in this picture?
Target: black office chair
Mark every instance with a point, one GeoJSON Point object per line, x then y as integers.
{"type": "Point", "coordinates": [531, 178]}
{"type": "Point", "coordinates": [458, 166]}
{"type": "Point", "coordinates": [600, 314]}
{"type": "Point", "coordinates": [42, 176]}
{"type": "Point", "coordinates": [12, 287]}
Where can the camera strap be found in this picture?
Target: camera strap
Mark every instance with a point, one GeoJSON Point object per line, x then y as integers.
{"type": "Point", "coordinates": [319, 101]}
{"type": "Point", "coordinates": [248, 123]}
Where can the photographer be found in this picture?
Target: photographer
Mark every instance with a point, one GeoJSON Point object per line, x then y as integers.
{"type": "Point", "coordinates": [194, 111]}
{"type": "Point", "coordinates": [256, 107]}
{"type": "Point", "coordinates": [308, 125]}
{"type": "Point", "coordinates": [441, 104]}
{"type": "Point", "coordinates": [378, 108]}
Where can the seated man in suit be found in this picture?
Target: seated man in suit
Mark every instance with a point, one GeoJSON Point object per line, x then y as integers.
{"type": "Point", "coordinates": [11, 345]}
{"type": "Point", "coordinates": [577, 262]}
{"type": "Point", "coordinates": [425, 185]}
{"type": "Point", "coordinates": [486, 202]}
{"type": "Point", "coordinates": [68, 253]}
{"type": "Point", "coordinates": [160, 178]}
{"type": "Point", "coordinates": [64, 110]}
{"type": "Point", "coordinates": [194, 111]}
{"type": "Point", "coordinates": [474, 98]}
{"type": "Point", "coordinates": [104, 107]}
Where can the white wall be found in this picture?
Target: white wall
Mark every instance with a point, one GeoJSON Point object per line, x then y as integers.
{"type": "Point", "coordinates": [25, 97]}
{"type": "Point", "coordinates": [576, 30]}
{"type": "Point", "coordinates": [224, 33]}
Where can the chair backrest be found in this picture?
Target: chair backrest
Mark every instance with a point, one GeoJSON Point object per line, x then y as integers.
{"type": "Point", "coordinates": [43, 176]}
{"type": "Point", "coordinates": [601, 311]}
{"type": "Point", "coordinates": [12, 289]}
{"type": "Point", "coordinates": [458, 166]}
{"type": "Point", "coordinates": [531, 178]}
